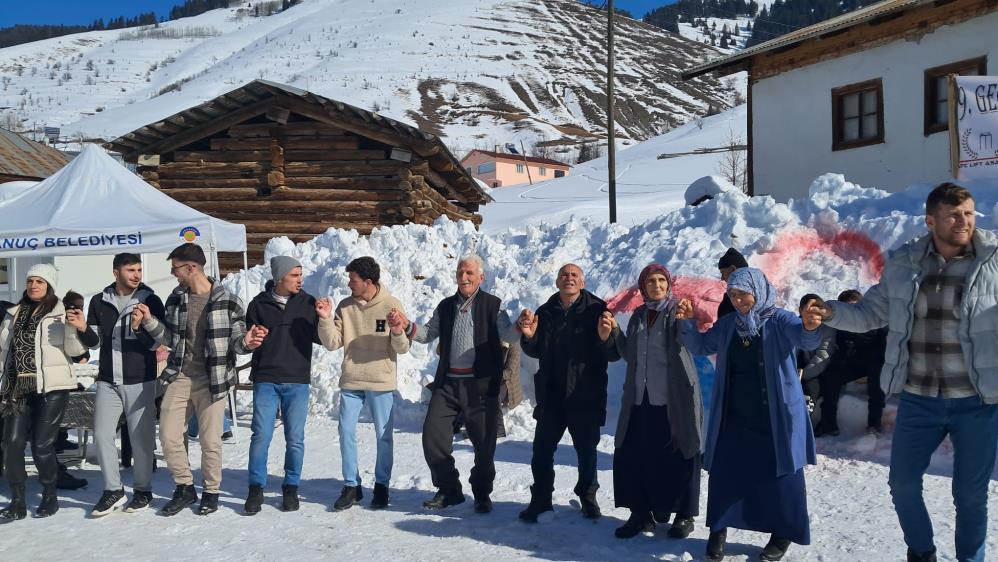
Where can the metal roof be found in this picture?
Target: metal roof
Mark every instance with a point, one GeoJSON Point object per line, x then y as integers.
{"type": "Point", "coordinates": [422, 143]}
{"type": "Point", "coordinates": [518, 158]}
{"type": "Point", "coordinates": [833, 25]}
{"type": "Point", "coordinates": [26, 158]}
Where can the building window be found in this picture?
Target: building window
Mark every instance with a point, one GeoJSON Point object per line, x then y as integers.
{"type": "Point", "coordinates": [937, 90]}
{"type": "Point", "coordinates": [4, 268]}
{"type": "Point", "coordinates": [468, 170]}
{"type": "Point", "coordinates": [858, 115]}
{"type": "Point", "coordinates": [520, 168]}
{"type": "Point", "coordinates": [487, 168]}
{"type": "Point", "coordinates": [559, 173]}
{"type": "Point", "coordinates": [542, 171]}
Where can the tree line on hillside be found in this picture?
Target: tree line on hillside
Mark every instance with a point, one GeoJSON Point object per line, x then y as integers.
{"type": "Point", "coordinates": [18, 34]}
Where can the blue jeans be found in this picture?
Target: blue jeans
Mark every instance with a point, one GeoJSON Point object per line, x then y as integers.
{"type": "Point", "coordinates": [293, 402]}
{"type": "Point", "coordinates": [192, 425]}
{"type": "Point", "coordinates": [381, 406]}
{"type": "Point", "coordinates": [922, 424]}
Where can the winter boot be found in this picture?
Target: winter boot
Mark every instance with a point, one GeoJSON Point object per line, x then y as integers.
{"type": "Point", "coordinates": [254, 500]}
{"type": "Point", "coordinates": [775, 549]}
{"type": "Point", "coordinates": [290, 500]}
{"type": "Point", "coordinates": [638, 522]}
{"type": "Point", "coordinates": [209, 503]}
{"type": "Point", "coordinates": [681, 527]}
{"type": "Point", "coordinates": [929, 556]}
{"type": "Point", "coordinates": [109, 501]}
{"type": "Point", "coordinates": [444, 498]}
{"type": "Point", "coordinates": [183, 496]}
{"type": "Point", "coordinates": [590, 507]}
{"type": "Point", "coordinates": [539, 503]}
{"type": "Point", "coordinates": [715, 545]}
{"type": "Point", "coordinates": [380, 499]}
{"type": "Point", "coordinates": [66, 481]}
{"type": "Point", "coordinates": [17, 509]}
{"type": "Point", "coordinates": [483, 503]}
{"type": "Point", "coordinates": [349, 497]}
{"type": "Point", "coordinates": [50, 503]}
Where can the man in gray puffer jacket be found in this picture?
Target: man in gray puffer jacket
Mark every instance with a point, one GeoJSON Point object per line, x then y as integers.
{"type": "Point", "coordinates": [938, 296]}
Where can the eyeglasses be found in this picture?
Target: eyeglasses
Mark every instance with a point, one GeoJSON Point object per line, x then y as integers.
{"type": "Point", "coordinates": [173, 270]}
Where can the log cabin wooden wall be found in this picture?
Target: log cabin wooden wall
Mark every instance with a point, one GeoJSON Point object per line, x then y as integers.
{"type": "Point", "coordinates": [297, 180]}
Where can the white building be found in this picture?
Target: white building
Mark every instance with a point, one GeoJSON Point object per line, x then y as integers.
{"type": "Point", "coordinates": [863, 94]}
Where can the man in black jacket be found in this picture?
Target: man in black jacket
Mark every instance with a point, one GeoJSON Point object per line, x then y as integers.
{"type": "Point", "coordinates": [126, 382]}
{"type": "Point", "coordinates": [282, 371]}
{"type": "Point", "coordinates": [570, 385]}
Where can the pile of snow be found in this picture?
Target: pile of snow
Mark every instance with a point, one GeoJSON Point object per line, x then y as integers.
{"type": "Point", "coordinates": [705, 188]}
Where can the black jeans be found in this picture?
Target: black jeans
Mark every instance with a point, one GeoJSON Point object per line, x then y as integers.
{"type": "Point", "coordinates": [838, 375]}
{"type": "Point", "coordinates": [584, 429]}
{"type": "Point", "coordinates": [41, 418]}
{"type": "Point", "coordinates": [469, 398]}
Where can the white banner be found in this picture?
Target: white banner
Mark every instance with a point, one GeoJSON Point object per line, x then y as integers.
{"type": "Point", "coordinates": [977, 126]}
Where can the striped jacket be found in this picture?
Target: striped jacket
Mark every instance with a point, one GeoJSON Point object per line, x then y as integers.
{"type": "Point", "coordinates": [226, 323]}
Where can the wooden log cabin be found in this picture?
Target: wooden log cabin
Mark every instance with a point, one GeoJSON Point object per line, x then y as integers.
{"type": "Point", "coordinates": [287, 162]}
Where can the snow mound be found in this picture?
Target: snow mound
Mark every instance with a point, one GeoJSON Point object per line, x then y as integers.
{"type": "Point", "coordinates": [707, 187]}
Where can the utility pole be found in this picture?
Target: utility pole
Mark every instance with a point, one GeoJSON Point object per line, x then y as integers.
{"type": "Point", "coordinates": [610, 151]}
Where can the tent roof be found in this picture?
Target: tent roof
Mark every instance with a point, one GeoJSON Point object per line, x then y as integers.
{"type": "Point", "coordinates": [95, 206]}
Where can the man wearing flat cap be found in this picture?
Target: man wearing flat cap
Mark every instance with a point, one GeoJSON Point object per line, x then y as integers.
{"type": "Point", "coordinates": [729, 262]}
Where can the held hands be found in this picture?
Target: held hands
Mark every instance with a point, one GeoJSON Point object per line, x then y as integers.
{"type": "Point", "coordinates": [606, 325]}
{"type": "Point", "coordinates": [254, 336]}
{"type": "Point", "coordinates": [396, 321]}
{"type": "Point", "coordinates": [685, 310]}
{"type": "Point", "coordinates": [526, 323]}
{"type": "Point", "coordinates": [74, 317]}
{"type": "Point", "coordinates": [324, 308]}
{"type": "Point", "coordinates": [139, 313]}
{"type": "Point", "coordinates": [815, 312]}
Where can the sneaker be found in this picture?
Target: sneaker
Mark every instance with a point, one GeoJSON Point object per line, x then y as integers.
{"type": "Point", "coordinates": [775, 549]}
{"type": "Point", "coordinates": [444, 498]}
{"type": "Point", "coordinates": [140, 501]}
{"type": "Point", "coordinates": [209, 503]}
{"type": "Point", "coordinates": [874, 431]}
{"type": "Point", "coordinates": [681, 528]}
{"type": "Point", "coordinates": [715, 545]}
{"type": "Point", "coordinates": [109, 501]}
{"type": "Point", "coordinates": [483, 503]}
{"type": "Point", "coordinates": [290, 501]}
{"type": "Point", "coordinates": [638, 522]}
{"type": "Point", "coordinates": [254, 500]}
{"type": "Point", "coordinates": [183, 496]}
{"type": "Point", "coordinates": [349, 497]}
{"type": "Point", "coordinates": [380, 499]}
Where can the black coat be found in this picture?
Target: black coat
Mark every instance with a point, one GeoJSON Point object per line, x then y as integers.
{"type": "Point", "coordinates": [572, 357]}
{"type": "Point", "coordinates": [725, 307]}
{"type": "Point", "coordinates": [285, 357]}
{"type": "Point", "coordinates": [137, 354]}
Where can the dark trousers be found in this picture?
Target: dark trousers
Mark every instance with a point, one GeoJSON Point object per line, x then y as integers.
{"type": "Point", "coordinates": [551, 426]}
{"type": "Point", "coordinates": [837, 376]}
{"type": "Point", "coordinates": [41, 418]}
{"type": "Point", "coordinates": [467, 397]}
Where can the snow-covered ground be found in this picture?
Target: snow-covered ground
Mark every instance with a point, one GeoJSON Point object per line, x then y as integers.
{"type": "Point", "coordinates": [823, 243]}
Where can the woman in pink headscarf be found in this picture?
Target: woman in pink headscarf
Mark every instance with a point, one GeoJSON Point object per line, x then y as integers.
{"type": "Point", "coordinates": [656, 462]}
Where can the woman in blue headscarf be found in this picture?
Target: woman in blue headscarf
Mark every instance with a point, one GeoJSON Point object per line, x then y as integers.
{"type": "Point", "coordinates": [759, 434]}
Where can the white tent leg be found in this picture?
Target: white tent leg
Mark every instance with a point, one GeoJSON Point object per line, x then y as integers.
{"type": "Point", "coordinates": [232, 414]}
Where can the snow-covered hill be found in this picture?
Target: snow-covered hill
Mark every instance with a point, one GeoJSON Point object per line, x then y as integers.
{"type": "Point", "coordinates": [479, 72]}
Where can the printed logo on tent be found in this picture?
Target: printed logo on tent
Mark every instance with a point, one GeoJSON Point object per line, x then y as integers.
{"type": "Point", "coordinates": [190, 234]}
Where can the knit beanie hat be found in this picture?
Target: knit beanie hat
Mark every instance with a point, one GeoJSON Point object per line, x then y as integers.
{"type": "Point", "coordinates": [732, 258]}
{"type": "Point", "coordinates": [46, 271]}
{"type": "Point", "coordinates": [280, 266]}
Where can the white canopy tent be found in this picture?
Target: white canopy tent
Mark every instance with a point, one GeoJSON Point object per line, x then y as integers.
{"type": "Point", "coordinates": [95, 206]}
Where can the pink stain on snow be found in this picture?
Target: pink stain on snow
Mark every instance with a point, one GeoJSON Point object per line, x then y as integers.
{"type": "Point", "coordinates": [792, 248]}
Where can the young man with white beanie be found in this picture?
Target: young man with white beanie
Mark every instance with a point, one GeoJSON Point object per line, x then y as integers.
{"type": "Point", "coordinates": [281, 372]}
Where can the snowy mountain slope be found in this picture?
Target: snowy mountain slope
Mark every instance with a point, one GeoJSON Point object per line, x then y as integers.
{"type": "Point", "coordinates": [479, 72]}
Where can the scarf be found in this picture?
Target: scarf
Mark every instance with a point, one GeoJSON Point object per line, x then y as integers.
{"type": "Point", "coordinates": [663, 305]}
{"type": "Point", "coordinates": [19, 377]}
{"type": "Point", "coordinates": [752, 280]}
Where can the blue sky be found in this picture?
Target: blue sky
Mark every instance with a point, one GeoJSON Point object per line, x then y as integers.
{"type": "Point", "coordinates": [85, 12]}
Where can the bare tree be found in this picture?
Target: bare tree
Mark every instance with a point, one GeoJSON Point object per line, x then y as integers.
{"type": "Point", "coordinates": [734, 160]}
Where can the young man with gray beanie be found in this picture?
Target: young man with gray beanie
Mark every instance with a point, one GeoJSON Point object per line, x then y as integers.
{"type": "Point", "coordinates": [282, 368]}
